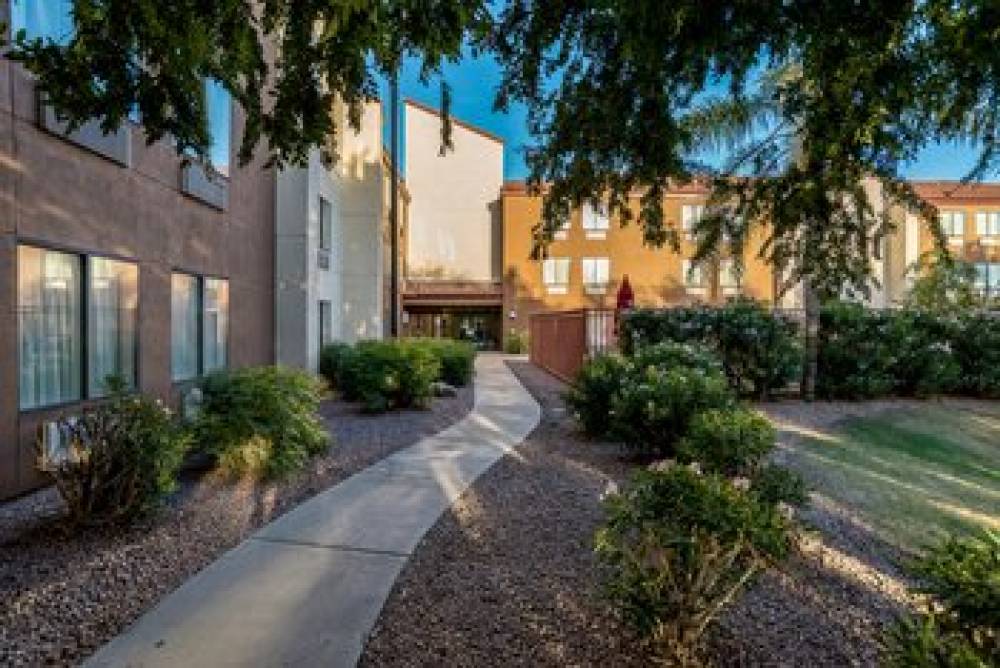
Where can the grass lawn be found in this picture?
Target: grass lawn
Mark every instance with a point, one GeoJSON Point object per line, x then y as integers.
{"type": "Point", "coordinates": [912, 474]}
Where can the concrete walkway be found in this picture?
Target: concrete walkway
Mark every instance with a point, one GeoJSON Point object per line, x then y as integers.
{"type": "Point", "coordinates": [306, 589]}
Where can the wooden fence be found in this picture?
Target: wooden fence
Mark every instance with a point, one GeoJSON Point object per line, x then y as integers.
{"type": "Point", "coordinates": [561, 341]}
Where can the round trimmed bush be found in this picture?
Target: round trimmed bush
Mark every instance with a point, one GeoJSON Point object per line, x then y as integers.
{"type": "Point", "coordinates": [595, 386]}
{"type": "Point", "coordinates": [652, 411]}
{"type": "Point", "coordinates": [730, 441]}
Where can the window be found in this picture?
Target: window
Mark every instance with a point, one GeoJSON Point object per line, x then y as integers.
{"type": "Point", "coordinates": [199, 324]}
{"type": "Point", "coordinates": [325, 323]}
{"type": "Point", "coordinates": [43, 19]}
{"type": "Point", "coordinates": [595, 221]}
{"type": "Point", "coordinates": [692, 275]}
{"type": "Point", "coordinates": [218, 106]}
{"type": "Point", "coordinates": [690, 215]}
{"type": "Point", "coordinates": [729, 280]}
{"type": "Point", "coordinates": [988, 278]}
{"type": "Point", "coordinates": [112, 303]}
{"type": "Point", "coordinates": [49, 327]}
{"type": "Point", "coordinates": [555, 275]}
{"type": "Point", "coordinates": [988, 223]}
{"type": "Point", "coordinates": [953, 225]}
{"type": "Point", "coordinates": [596, 275]}
{"type": "Point", "coordinates": [215, 323]}
{"type": "Point", "coordinates": [52, 321]}
{"type": "Point", "coordinates": [185, 307]}
{"type": "Point", "coordinates": [325, 224]}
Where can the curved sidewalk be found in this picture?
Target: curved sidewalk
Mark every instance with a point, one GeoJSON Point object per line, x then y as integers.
{"type": "Point", "coordinates": [306, 589]}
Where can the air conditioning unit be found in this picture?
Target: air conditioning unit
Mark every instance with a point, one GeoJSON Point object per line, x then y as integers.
{"type": "Point", "coordinates": [191, 402]}
{"type": "Point", "coordinates": [323, 259]}
{"type": "Point", "coordinates": [53, 442]}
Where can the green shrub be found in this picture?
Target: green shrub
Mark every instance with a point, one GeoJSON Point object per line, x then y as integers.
{"type": "Point", "coordinates": [670, 354]}
{"type": "Point", "coordinates": [261, 420]}
{"type": "Point", "coordinates": [336, 361]}
{"type": "Point", "coordinates": [677, 547]}
{"type": "Point", "coordinates": [595, 386]}
{"type": "Point", "coordinates": [924, 363]}
{"type": "Point", "coordinates": [775, 484]}
{"type": "Point", "coordinates": [856, 352]}
{"type": "Point", "coordinates": [653, 409]}
{"type": "Point", "coordinates": [456, 358]}
{"type": "Point", "coordinates": [387, 375]}
{"type": "Point", "coordinates": [516, 343]}
{"type": "Point", "coordinates": [921, 643]}
{"type": "Point", "coordinates": [963, 576]}
{"type": "Point", "coordinates": [759, 350]}
{"type": "Point", "coordinates": [961, 626]}
{"type": "Point", "coordinates": [976, 345]}
{"type": "Point", "coordinates": [730, 441]}
{"type": "Point", "coordinates": [122, 458]}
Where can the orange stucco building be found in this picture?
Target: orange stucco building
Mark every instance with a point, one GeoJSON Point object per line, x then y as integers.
{"type": "Point", "coordinates": [589, 258]}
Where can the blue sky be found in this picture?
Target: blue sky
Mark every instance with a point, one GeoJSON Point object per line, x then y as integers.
{"type": "Point", "coordinates": [473, 83]}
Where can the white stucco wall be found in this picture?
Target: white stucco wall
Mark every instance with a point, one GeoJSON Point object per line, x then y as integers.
{"type": "Point", "coordinates": [454, 220]}
{"type": "Point", "coordinates": [352, 283]}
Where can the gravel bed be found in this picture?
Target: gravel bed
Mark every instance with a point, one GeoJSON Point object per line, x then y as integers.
{"type": "Point", "coordinates": [63, 595]}
{"type": "Point", "coordinates": [508, 577]}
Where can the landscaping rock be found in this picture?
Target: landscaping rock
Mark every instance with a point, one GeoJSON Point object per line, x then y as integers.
{"type": "Point", "coordinates": [63, 594]}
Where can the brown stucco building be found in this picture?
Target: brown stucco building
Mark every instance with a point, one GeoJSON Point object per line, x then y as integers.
{"type": "Point", "coordinates": [106, 241]}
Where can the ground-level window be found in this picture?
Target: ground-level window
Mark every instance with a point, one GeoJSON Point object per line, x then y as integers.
{"type": "Point", "coordinates": [988, 278]}
{"type": "Point", "coordinates": [325, 323]}
{"type": "Point", "coordinates": [596, 274]}
{"type": "Point", "coordinates": [75, 314]}
{"type": "Point", "coordinates": [112, 304]}
{"type": "Point", "coordinates": [555, 275]}
{"type": "Point", "coordinates": [199, 325]}
{"type": "Point", "coordinates": [215, 323]}
{"type": "Point", "coordinates": [50, 341]}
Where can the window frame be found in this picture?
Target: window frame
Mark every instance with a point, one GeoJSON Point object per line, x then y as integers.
{"type": "Point", "coordinates": [83, 258]}
{"type": "Point", "coordinates": [595, 220]}
{"type": "Point", "coordinates": [556, 288]}
{"type": "Point", "coordinates": [14, 13]}
{"type": "Point", "coordinates": [728, 266]}
{"type": "Point", "coordinates": [952, 215]}
{"type": "Point", "coordinates": [988, 225]}
{"type": "Point", "coordinates": [596, 288]}
{"type": "Point", "coordinates": [689, 222]}
{"type": "Point", "coordinates": [200, 278]}
{"type": "Point", "coordinates": [208, 82]}
{"type": "Point", "coordinates": [325, 306]}
{"type": "Point", "coordinates": [325, 242]}
{"type": "Point", "coordinates": [688, 266]}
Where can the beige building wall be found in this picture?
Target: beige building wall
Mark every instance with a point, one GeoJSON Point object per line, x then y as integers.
{"type": "Point", "coordinates": [454, 218]}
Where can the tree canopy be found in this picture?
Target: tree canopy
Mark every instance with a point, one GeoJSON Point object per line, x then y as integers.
{"type": "Point", "coordinates": [804, 98]}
